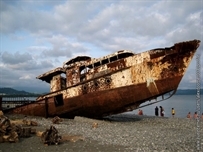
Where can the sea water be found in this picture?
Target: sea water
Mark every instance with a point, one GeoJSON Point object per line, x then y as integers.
{"type": "Point", "coordinates": [181, 103]}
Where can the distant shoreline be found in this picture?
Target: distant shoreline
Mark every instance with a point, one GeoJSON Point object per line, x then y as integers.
{"type": "Point", "coordinates": [188, 92]}
{"type": "Point", "coordinates": [11, 91]}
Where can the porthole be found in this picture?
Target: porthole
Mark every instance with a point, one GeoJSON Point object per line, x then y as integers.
{"type": "Point", "coordinates": [84, 87]}
{"type": "Point", "coordinates": [96, 83]}
{"type": "Point", "coordinates": [108, 80]}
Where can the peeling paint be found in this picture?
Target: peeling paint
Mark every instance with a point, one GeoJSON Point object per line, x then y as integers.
{"type": "Point", "coordinates": [114, 83]}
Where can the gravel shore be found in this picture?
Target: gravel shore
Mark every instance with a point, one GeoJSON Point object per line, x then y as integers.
{"type": "Point", "coordinates": [124, 132]}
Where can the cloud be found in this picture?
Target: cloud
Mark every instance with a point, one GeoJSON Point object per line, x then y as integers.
{"type": "Point", "coordinates": [62, 46]}
{"type": "Point", "coordinates": [9, 58]}
{"type": "Point", "coordinates": [25, 77]}
{"type": "Point", "coordinates": [22, 80]}
{"type": "Point", "coordinates": [23, 61]}
{"type": "Point", "coordinates": [40, 35]}
{"type": "Point", "coordinates": [37, 48]}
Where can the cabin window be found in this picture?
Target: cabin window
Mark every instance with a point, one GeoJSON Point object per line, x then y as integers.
{"type": "Point", "coordinates": [90, 66]}
{"type": "Point", "coordinates": [114, 58]}
{"type": "Point", "coordinates": [82, 70]}
{"type": "Point", "coordinates": [63, 80]}
{"type": "Point", "coordinates": [82, 78]}
{"type": "Point", "coordinates": [124, 55]}
{"type": "Point", "coordinates": [97, 64]}
{"type": "Point", "coordinates": [63, 75]}
{"type": "Point", "coordinates": [58, 100]}
{"type": "Point", "coordinates": [105, 61]}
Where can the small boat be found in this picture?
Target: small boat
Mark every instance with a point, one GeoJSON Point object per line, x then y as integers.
{"type": "Point", "coordinates": [116, 83]}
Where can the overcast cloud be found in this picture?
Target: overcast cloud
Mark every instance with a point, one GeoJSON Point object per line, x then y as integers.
{"type": "Point", "coordinates": [37, 36]}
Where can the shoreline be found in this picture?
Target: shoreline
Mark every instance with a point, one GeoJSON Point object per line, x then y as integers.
{"type": "Point", "coordinates": [121, 132]}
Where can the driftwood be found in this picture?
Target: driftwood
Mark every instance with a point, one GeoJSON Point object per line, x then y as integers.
{"type": "Point", "coordinates": [56, 120]}
{"type": "Point", "coordinates": [50, 136]}
{"type": "Point", "coordinates": [10, 131]}
{"type": "Point", "coordinates": [94, 125]}
{"type": "Point", "coordinates": [39, 133]}
{"type": "Point", "coordinates": [30, 123]}
{"type": "Point", "coordinates": [1, 114]}
{"type": "Point", "coordinates": [24, 122]}
{"type": "Point", "coordinates": [64, 138]}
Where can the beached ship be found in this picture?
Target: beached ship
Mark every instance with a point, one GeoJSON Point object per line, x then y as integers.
{"type": "Point", "coordinates": [113, 84]}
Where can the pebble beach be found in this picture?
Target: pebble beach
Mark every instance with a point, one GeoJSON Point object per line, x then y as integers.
{"type": "Point", "coordinates": [123, 132]}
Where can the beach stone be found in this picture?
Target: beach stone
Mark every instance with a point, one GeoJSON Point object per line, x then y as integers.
{"type": "Point", "coordinates": [1, 113]}
{"type": "Point", "coordinates": [126, 133]}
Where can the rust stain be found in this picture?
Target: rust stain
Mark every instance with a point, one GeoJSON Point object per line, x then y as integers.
{"type": "Point", "coordinates": [112, 84]}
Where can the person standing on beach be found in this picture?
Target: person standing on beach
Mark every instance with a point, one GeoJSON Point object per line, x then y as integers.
{"type": "Point", "coordinates": [162, 111]}
{"type": "Point", "coordinates": [156, 111]}
{"type": "Point", "coordinates": [189, 115]}
{"type": "Point", "coordinates": [140, 112]}
{"type": "Point", "coordinates": [195, 115]}
{"type": "Point", "coordinates": [173, 112]}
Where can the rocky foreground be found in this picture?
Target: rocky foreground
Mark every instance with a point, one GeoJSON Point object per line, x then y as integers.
{"type": "Point", "coordinates": [125, 133]}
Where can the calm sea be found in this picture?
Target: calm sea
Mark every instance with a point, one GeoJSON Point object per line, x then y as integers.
{"type": "Point", "coordinates": [181, 103]}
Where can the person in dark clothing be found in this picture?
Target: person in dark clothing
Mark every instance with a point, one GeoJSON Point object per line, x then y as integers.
{"type": "Point", "coordinates": [161, 111]}
{"type": "Point", "coordinates": [156, 111]}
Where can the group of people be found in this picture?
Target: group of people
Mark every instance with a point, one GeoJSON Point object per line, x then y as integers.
{"type": "Point", "coordinates": [162, 112]}
{"type": "Point", "coordinates": [195, 116]}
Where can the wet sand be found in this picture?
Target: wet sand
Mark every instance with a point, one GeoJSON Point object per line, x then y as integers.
{"type": "Point", "coordinates": [125, 133]}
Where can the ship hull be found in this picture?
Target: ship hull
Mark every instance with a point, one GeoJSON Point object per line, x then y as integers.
{"type": "Point", "coordinates": [102, 103]}
{"type": "Point", "coordinates": [119, 86]}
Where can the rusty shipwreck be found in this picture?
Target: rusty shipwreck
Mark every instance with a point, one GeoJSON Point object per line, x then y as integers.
{"type": "Point", "coordinates": [113, 84]}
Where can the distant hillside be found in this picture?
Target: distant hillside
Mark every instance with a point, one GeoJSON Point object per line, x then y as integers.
{"type": "Point", "coordinates": [11, 91]}
{"type": "Point", "coordinates": [188, 92]}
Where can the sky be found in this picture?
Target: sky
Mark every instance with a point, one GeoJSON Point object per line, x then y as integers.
{"type": "Point", "coordinates": [39, 35]}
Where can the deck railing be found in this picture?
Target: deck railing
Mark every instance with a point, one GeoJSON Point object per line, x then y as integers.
{"type": "Point", "coordinates": [12, 101]}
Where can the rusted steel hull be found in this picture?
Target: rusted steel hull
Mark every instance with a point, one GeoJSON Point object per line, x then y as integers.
{"type": "Point", "coordinates": [115, 87]}
{"type": "Point", "coordinates": [98, 104]}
